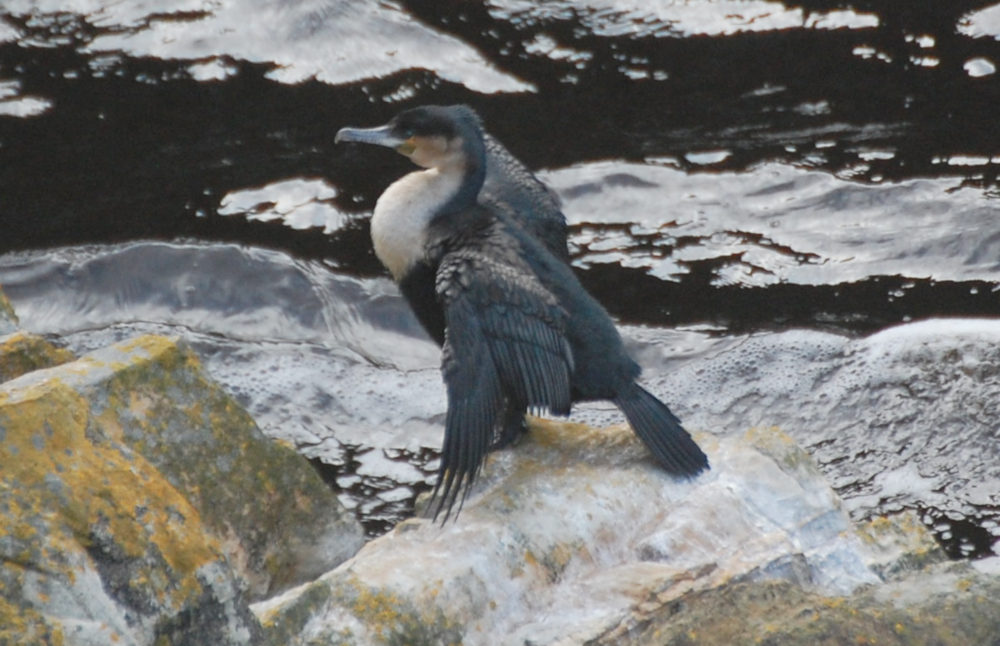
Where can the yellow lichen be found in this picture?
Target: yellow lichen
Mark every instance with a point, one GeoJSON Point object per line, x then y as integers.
{"type": "Point", "coordinates": [397, 621]}
{"type": "Point", "coordinates": [60, 464]}
{"type": "Point", "coordinates": [109, 460]}
{"type": "Point", "coordinates": [378, 609]}
{"type": "Point", "coordinates": [21, 624]}
{"type": "Point", "coordinates": [6, 308]}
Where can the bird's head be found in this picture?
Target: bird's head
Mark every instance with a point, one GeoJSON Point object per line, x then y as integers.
{"type": "Point", "coordinates": [431, 136]}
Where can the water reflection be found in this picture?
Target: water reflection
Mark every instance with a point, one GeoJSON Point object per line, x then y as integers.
{"type": "Point", "coordinates": [776, 224]}
{"type": "Point", "coordinates": [616, 18]}
{"type": "Point", "coordinates": [334, 42]}
{"type": "Point", "coordinates": [298, 203]}
{"type": "Point", "coordinates": [982, 23]}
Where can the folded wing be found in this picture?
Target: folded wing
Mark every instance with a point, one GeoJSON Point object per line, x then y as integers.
{"type": "Point", "coordinates": [505, 346]}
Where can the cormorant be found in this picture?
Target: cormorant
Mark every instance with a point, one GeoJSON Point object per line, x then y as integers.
{"type": "Point", "coordinates": [518, 330]}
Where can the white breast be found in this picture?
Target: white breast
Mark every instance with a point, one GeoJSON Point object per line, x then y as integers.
{"type": "Point", "coordinates": [402, 214]}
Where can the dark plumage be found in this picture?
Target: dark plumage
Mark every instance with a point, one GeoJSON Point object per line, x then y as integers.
{"type": "Point", "coordinates": [518, 330]}
{"type": "Point", "coordinates": [515, 190]}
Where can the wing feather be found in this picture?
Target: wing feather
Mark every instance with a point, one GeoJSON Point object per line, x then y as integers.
{"type": "Point", "coordinates": [504, 342]}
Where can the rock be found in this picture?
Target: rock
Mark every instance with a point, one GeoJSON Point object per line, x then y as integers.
{"type": "Point", "coordinates": [138, 502]}
{"type": "Point", "coordinates": [21, 352]}
{"type": "Point", "coordinates": [575, 537]}
{"type": "Point", "coordinates": [564, 543]}
{"type": "Point", "coordinates": [948, 604]}
{"type": "Point", "coordinates": [921, 598]}
{"type": "Point", "coordinates": [901, 419]}
{"type": "Point", "coordinates": [8, 320]}
{"type": "Point", "coordinates": [97, 547]}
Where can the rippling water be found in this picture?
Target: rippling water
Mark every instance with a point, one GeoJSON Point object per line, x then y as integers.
{"type": "Point", "coordinates": [766, 189]}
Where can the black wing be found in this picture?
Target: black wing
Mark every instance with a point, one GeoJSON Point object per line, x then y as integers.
{"type": "Point", "coordinates": [504, 342]}
{"type": "Point", "coordinates": [531, 204]}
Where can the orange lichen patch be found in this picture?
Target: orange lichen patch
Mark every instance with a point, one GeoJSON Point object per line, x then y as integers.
{"type": "Point", "coordinates": [780, 447]}
{"type": "Point", "coordinates": [550, 432]}
{"type": "Point", "coordinates": [529, 561]}
{"type": "Point", "coordinates": [381, 610]}
{"type": "Point", "coordinates": [560, 555]}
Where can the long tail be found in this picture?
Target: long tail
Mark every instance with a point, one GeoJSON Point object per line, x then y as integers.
{"type": "Point", "coordinates": [661, 431]}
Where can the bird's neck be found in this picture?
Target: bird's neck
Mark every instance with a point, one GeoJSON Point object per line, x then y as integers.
{"type": "Point", "coordinates": [407, 208]}
{"type": "Point", "coordinates": [470, 166]}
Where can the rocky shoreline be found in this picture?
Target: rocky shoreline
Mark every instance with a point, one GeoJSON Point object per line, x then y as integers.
{"type": "Point", "coordinates": [142, 505]}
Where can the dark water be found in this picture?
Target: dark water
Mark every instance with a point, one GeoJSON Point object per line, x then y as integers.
{"type": "Point", "coordinates": [138, 141]}
{"type": "Point", "coordinates": [731, 166]}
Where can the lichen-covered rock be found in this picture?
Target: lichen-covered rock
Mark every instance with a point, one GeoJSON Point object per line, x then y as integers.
{"type": "Point", "coordinates": [8, 320]}
{"type": "Point", "coordinates": [131, 490]}
{"type": "Point", "coordinates": [280, 524]}
{"type": "Point", "coordinates": [22, 352]}
{"type": "Point", "coordinates": [948, 604]}
{"type": "Point", "coordinates": [575, 537]}
{"type": "Point", "coordinates": [96, 546]}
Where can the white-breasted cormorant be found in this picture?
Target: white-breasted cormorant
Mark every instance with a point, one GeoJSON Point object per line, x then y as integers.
{"type": "Point", "coordinates": [517, 328]}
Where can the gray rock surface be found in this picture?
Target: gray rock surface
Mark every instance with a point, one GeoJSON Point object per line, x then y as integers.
{"type": "Point", "coordinates": [575, 537]}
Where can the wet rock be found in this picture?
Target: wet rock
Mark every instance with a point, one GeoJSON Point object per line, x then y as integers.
{"type": "Point", "coordinates": [575, 537]}
{"type": "Point", "coordinates": [22, 352]}
{"type": "Point", "coordinates": [8, 320]}
{"type": "Point", "coordinates": [140, 504]}
{"type": "Point", "coordinates": [901, 419]}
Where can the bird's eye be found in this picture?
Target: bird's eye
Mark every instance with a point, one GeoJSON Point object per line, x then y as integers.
{"type": "Point", "coordinates": [406, 133]}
